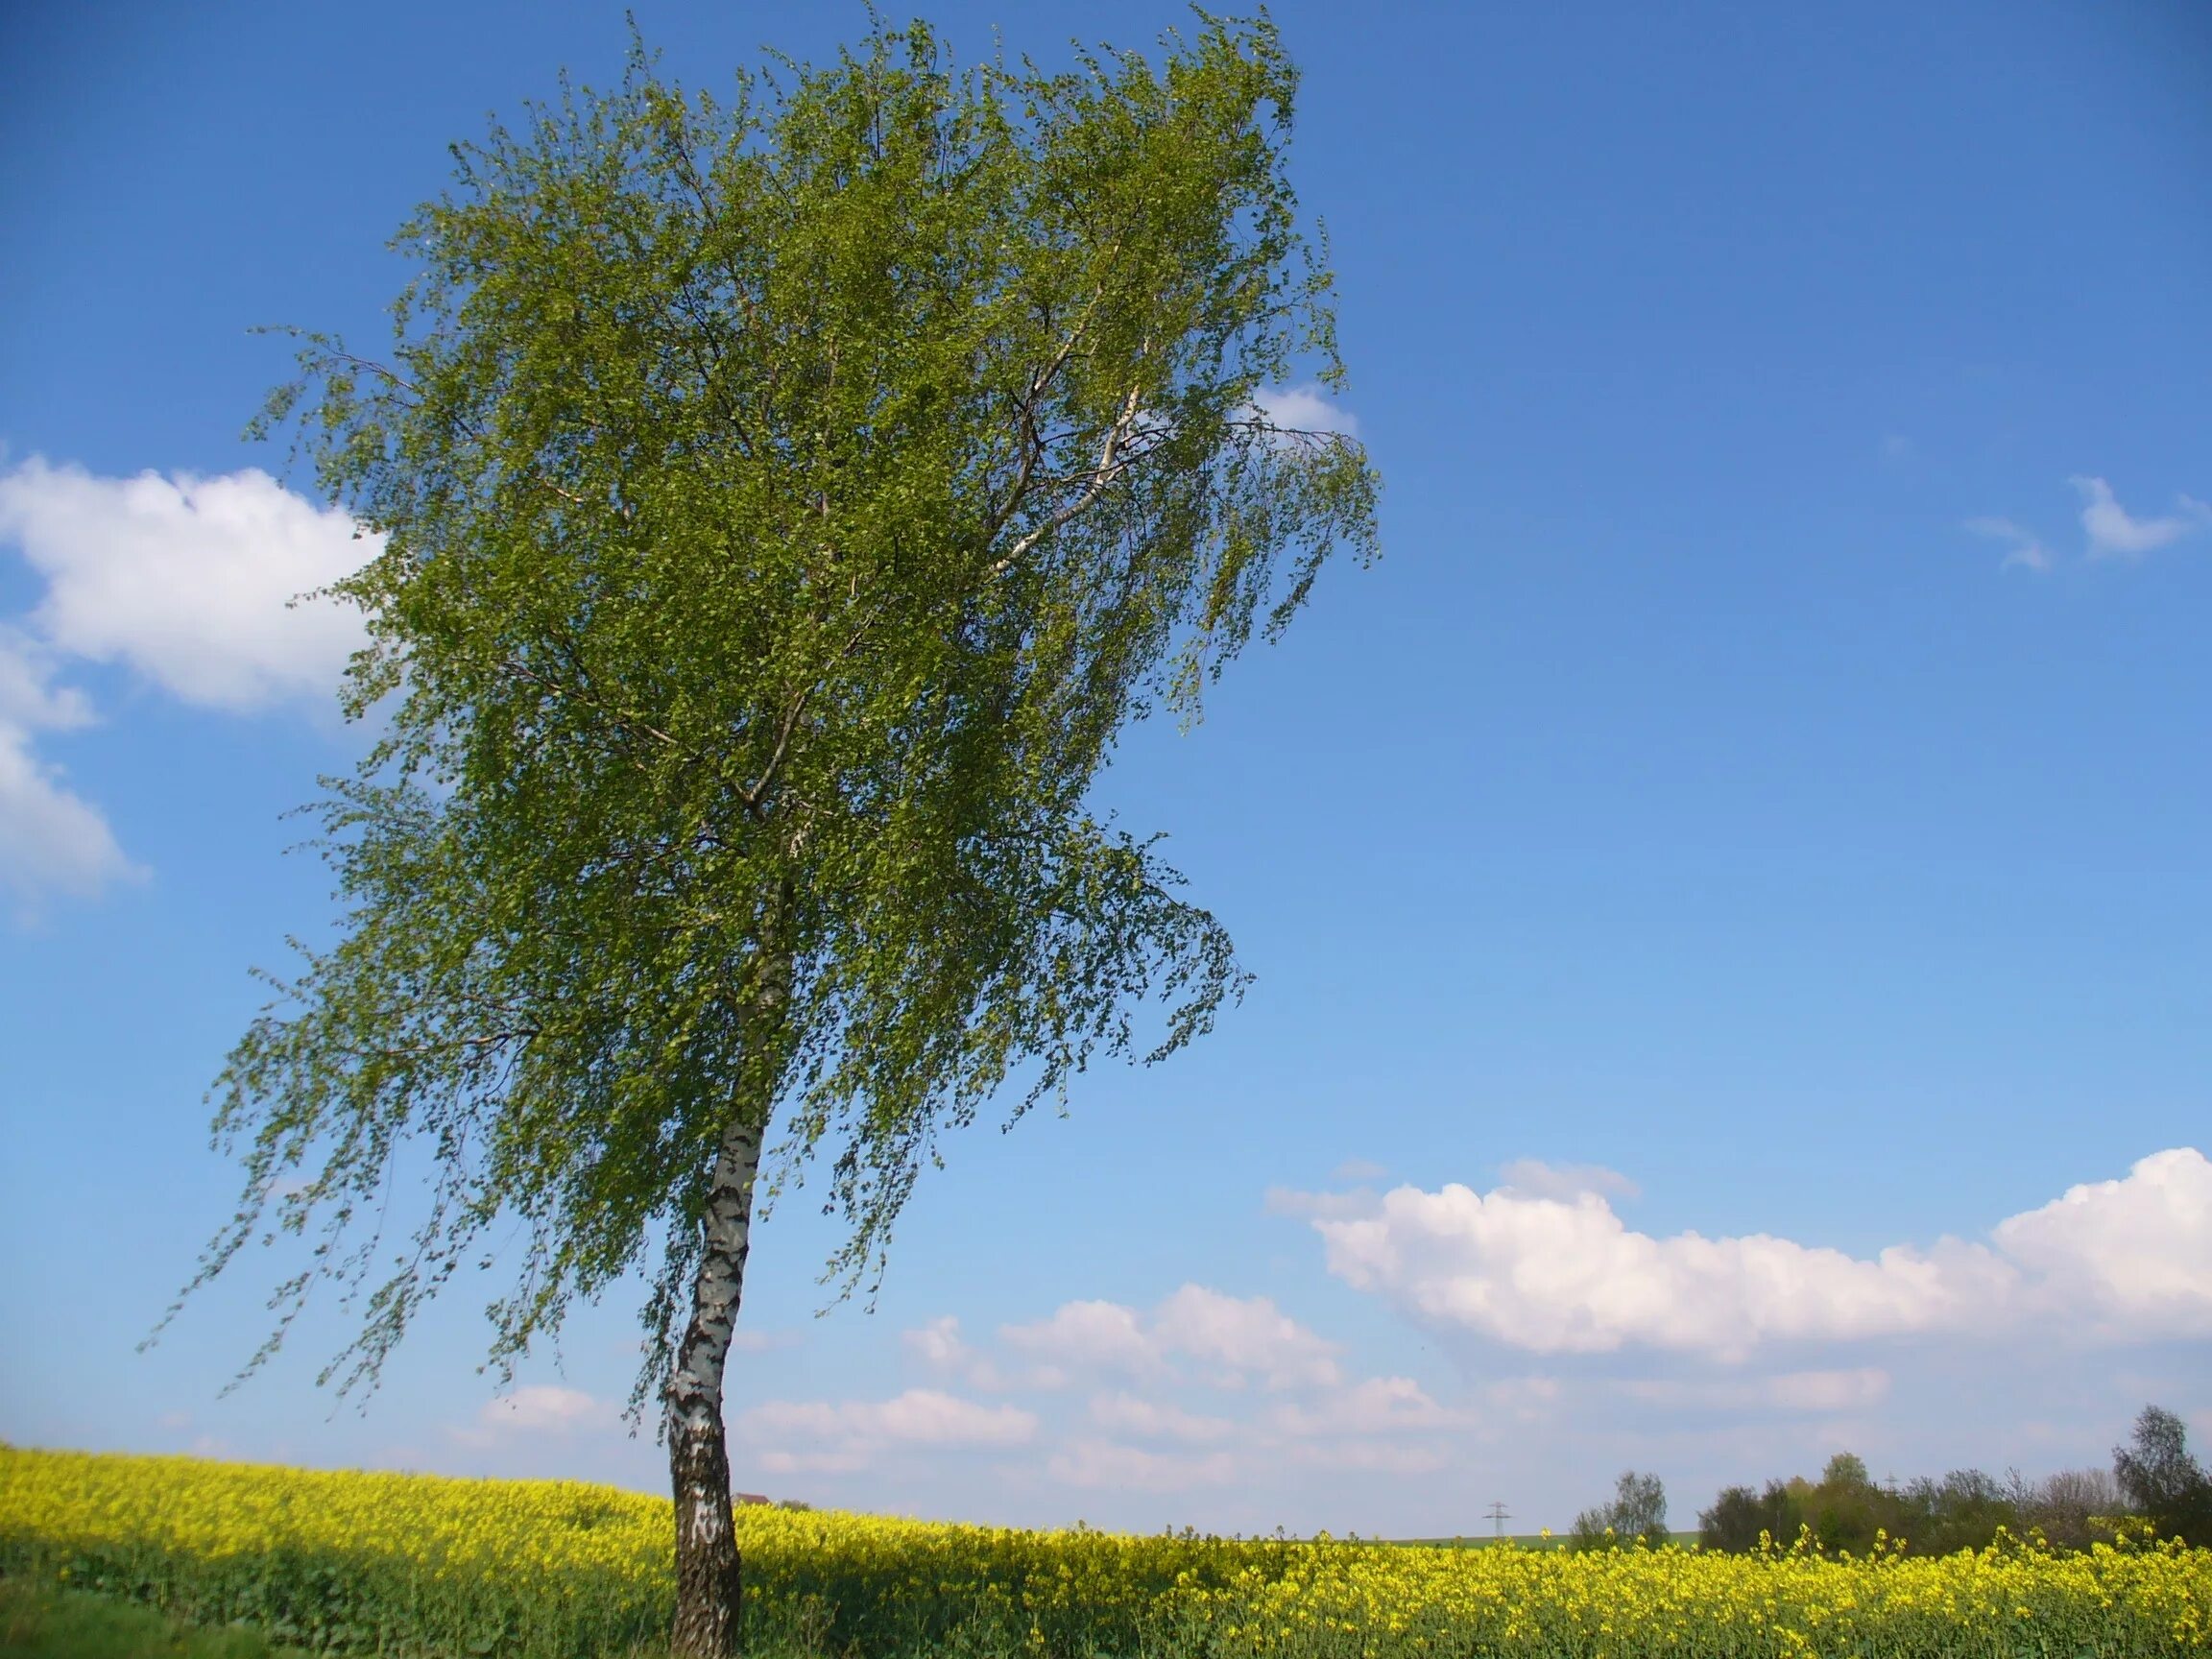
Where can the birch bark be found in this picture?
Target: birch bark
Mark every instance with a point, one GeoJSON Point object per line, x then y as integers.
{"type": "Point", "coordinates": [708, 1574]}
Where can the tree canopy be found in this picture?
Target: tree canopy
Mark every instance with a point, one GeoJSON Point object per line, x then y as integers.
{"type": "Point", "coordinates": [783, 504]}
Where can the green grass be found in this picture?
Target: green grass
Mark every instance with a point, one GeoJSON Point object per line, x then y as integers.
{"type": "Point", "coordinates": [37, 1623]}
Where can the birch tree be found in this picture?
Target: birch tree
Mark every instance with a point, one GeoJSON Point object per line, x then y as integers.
{"type": "Point", "coordinates": [785, 503]}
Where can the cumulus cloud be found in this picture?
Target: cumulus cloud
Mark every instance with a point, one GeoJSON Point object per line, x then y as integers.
{"type": "Point", "coordinates": [1234, 1340]}
{"type": "Point", "coordinates": [2113, 533]}
{"type": "Point", "coordinates": [185, 581]}
{"type": "Point", "coordinates": [52, 840]}
{"type": "Point", "coordinates": [1152, 1420]}
{"type": "Point", "coordinates": [2130, 1256]}
{"type": "Point", "coordinates": [188, 580]}
{"type": "Point", "coordinates": [1105, 1464]}
{"type": "Point", "coordinates": [537, 1409]}
{"type": "Point", "coordinates": [1282, 1385]}
{"type": "Point", "coordinates": [541, 1406]}
{"type": "Point", "coordinates": [1240, 1336]}
{"type": "Point", "coordinates": [1378, 1405]}
{"type": "Point", "coordinates": [1302, 409]}
{"type": "Point", "coordinates": [2127, 1259]}
{"type": "Point", "coordinates": [937, 1343]}
{"type": "Point", "coordinates": [846, 1434]}
{"type": "Point", "coordinates": [940, 1346]}
{"type": "Point", "coordinates": [1088, 1336]}
{"type": "Point", "coordinates": [2022, 546]}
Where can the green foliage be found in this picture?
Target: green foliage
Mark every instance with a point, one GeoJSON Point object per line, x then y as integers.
{"type": "Point", "coordinates": [2162, 1478]}
{"type": "Point", "coordinates": [1636, 1515]}
{"type": "Point", "coordinates": [1740, 1517]}
{"type": "Point", "coordinates": [42, 1622]}
{"type": "Point", "coordinates": [1846, 1472]}
{"type": "Point", "coordinates": [784, 503]}
{"type": "Point", "coordinates": [1966, 1510]}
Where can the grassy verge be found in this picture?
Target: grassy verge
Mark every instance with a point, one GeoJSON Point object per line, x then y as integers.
{"type": "Point", "coordinates": [36, 1623]}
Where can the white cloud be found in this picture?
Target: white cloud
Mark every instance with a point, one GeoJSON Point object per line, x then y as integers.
{"type": "Point", "coordinates": [52, 840]}
{"type": "Point", "coordinates": [2131, 1255]}
{"type": "Point", "coordinates": [1806, 1392]}
{"type": "Point", "coordinates": [2123, 1258]}
{"type": "Point", "coordinates": [1237, 1339]}
{"type": "Point", "coordinates": [1089, 1336]}
{"type": "Point", "coordinates": [1369, 1457]}
{"type": "Point", "coordinates": [189, 580]}
{"type": "Point", "coordinates": [1527, 1399]}
{"type": "Point", "coordinates": [184, 580]}
{"type": "Point", "coordinates": [1100, 1463]}
{"type": "Point", "coordinates": [940, 1346]}
{"type": "Point", "coordinates": [1534, 1178]}
{"type": "Point", "coordinates": [29, 698]}
{"type": "Point", "coordinates": [846, 1459]}
{"type": "Point", "coordinates": [1378, 1405]}
{"type": "Point", "coordinates": [912, 1419]}
{"type": "Point", "coordinates": [2113, 534]}
{"type": "Point", "coordinates": [1151, 1420]}
{"type": "Point", "coordinates": [938, 1343]}
{"type": "Point", "coordinates": [534, 1409]}
{"type": "Point", "coordinates": [1307, 1206]}
{"type": "Point", "coordinates": [1829, 1390]}
{"type": "Point", "coordinates": [2024, 547]}
{"type": "Point", "coordinates": [541, 1406]}
{"type": "Point", "coordinates": [1240, 1336]}
{"type": "Point", "coordinates": [1302, 409]}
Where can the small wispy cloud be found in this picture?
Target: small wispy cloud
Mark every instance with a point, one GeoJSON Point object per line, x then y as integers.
{"type": "Point", "coordinates": [1534, 1178]}
{"type": "Point", "coordinates": [2022, 546]}
{"type": "Point", "coordinates": [1302, 409]}
{"type": "Point", "coordinates": [2110, 531]}
{"type": "Point", "coordinates": [2114, 533]}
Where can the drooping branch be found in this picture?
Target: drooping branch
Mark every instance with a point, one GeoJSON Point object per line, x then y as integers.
{"type": "Point", "coordinates": [1111, 466]}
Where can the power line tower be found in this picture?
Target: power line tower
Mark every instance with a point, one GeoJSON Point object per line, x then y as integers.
{"type": "Point", "coordinates": [1499, 1516]}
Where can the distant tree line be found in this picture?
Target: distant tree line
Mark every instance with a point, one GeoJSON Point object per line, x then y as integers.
{"type": "Point", "coordinates": [2154, 1484]}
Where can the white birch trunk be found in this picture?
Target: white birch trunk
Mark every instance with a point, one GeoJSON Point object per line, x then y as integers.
{"type": "Point", "coordinates": [708, 1572]}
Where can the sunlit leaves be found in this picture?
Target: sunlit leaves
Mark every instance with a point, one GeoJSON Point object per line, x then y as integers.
{"type": "Point", "coordinates": [788, 500]}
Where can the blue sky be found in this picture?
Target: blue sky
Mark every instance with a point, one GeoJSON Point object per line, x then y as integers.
{"type": "Point", "coordinates": [1728, 890]}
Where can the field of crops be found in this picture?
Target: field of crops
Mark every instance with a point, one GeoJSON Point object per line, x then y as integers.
{"type": "Point", "coordinates": [397, 1564]}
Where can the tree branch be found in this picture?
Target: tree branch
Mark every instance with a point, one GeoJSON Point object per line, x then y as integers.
{"type": "Point", "coordinates": [1102, 477]}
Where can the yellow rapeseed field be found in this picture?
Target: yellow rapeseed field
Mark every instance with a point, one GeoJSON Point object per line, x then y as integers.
{"type": "Point", "coordinates": [537, 1569]}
